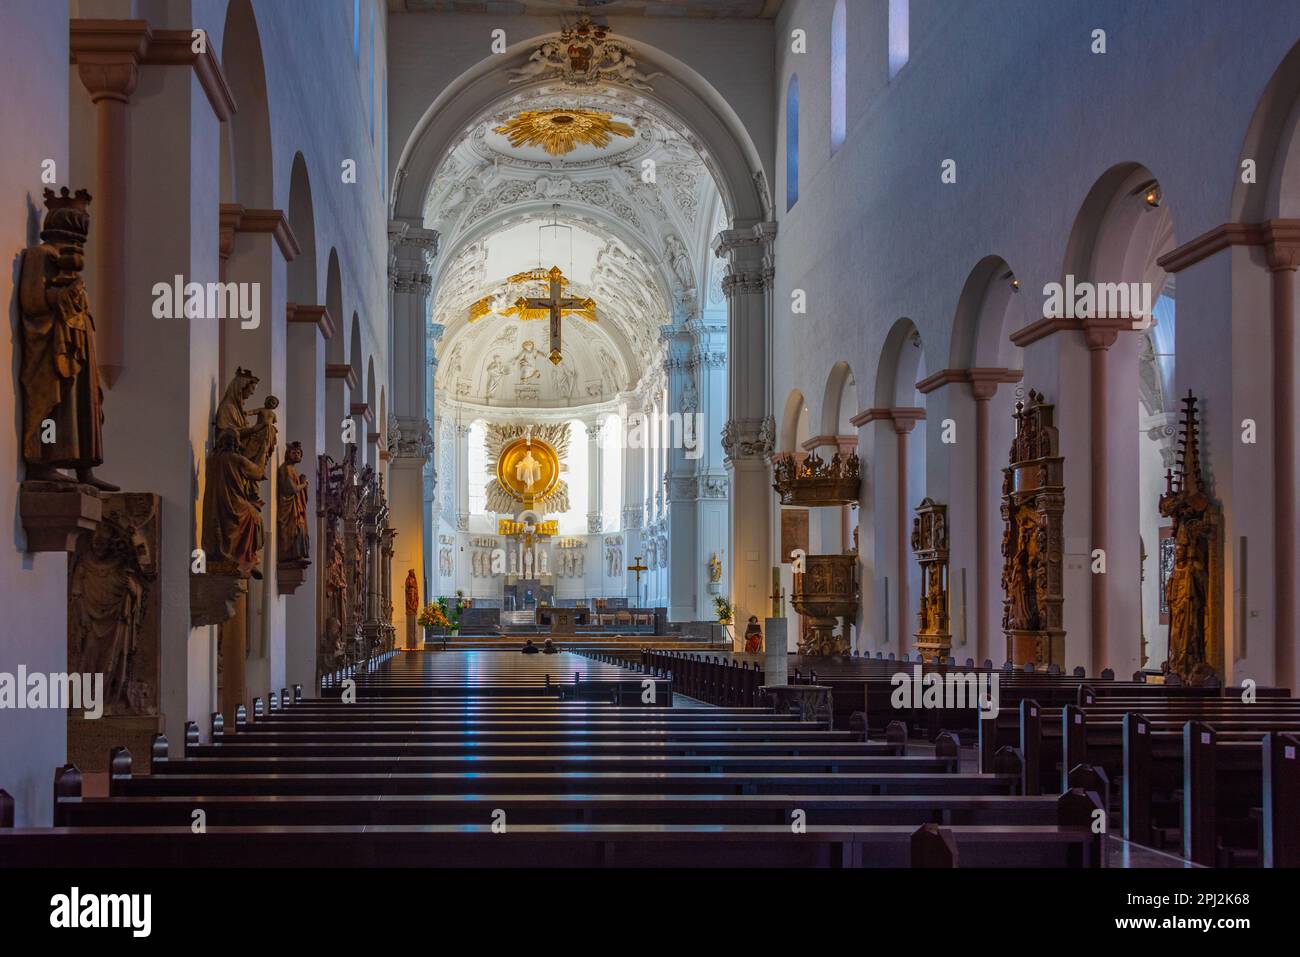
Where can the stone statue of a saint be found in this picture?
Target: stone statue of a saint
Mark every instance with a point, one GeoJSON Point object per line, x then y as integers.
{"type": "Point", "coordinates": [63, 402]}
{"type": "Point", "coordinates": [293, 537]}
{"type": "Point", "coordinates": [232, 507]}
{"type": "Point", "coordinates": [528, 563]}
{"type": "Point", "coordinates": [543, 563]}
{"type": "Point", "coordinates": [1185, 593]}
{"type": "Point", "coordinates": [715, 568]}
{"type": "Point", "coordinates": [261, 441]}
{"type": "Point", "coordinates": [412, 593]}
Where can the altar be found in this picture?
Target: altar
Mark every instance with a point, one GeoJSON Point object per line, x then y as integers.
{"type": "Point", "coordinates": [525, 594]}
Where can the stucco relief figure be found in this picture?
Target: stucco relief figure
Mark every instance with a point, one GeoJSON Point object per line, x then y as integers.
{"type": "Point", "coordinates": [527, 360]}
{"type": "Point", "coordinates": [232, 507]}
{"type": "Point", "coordinates": [566, 377]}
{"type": "Point", "coordinates": [689, 401]}
{"type": "Point", "coordinates": [63, 410]}
{"type": "Point", "coordinates": [293, 539]}
{"type": "Point", "coordinates": [412, 588]}
{"type": "Point", "coordinates": [496, 371]}
{"type": "Point", "coordinates": [109, 578]}
{"type": "Point", "coordinates": [1186, 590]}
{"type": "Point", "coordinates": [679, 261]}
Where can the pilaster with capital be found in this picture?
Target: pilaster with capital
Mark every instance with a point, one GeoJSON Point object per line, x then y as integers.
{"type": "Point", "coordinates": [749, 432]}
{"type": "Point", "coordinates": [410, 433]}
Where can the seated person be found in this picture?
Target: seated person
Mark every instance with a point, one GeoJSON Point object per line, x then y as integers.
{"type": "Point", "coordinates": [548, 648]}
{"type": "Point", "coordinates": [753, 636]}
{"type": "Point", "coordinates": [530, 648]}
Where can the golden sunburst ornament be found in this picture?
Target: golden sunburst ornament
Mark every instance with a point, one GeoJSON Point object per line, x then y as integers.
{"type": "Point", "coordinates": [562, 131]}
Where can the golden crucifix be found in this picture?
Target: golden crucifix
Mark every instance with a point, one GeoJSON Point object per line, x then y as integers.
{"type": "Point", "coordinates": [638, 567]}
{"type": "Point", "coordinates": [557, 304]}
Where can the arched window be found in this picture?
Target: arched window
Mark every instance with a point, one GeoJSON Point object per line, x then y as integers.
{"type": "Point", "coordinates": [356, 30]}
{"type": "Point", "coordinates": [792, 144]}
{"type": "Point", "coordinates": [898, 35]}
{"type": "Point", "coordinates": [611, 479]}
{"type": "Point", "coordinates": [839, 76]}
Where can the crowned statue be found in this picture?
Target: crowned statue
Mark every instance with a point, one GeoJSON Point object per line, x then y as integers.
{"type": "Point", "coordinates": [63, 401]}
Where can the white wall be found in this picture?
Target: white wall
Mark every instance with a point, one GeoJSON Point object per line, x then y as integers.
{"type": "Point", "coordinates": [33, 127]}
{"type": "Point", "coordinates": [1033, 118]}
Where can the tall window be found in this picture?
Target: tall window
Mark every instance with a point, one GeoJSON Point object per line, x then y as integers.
{"type": "Point", "coordinates": [839, 76]}
{"type": "Point", "coordinates": [792, 144]}
{"type": "Point", "coordinates": [374, 55]}
{"type": "Point", "coordinates": [898, 35]}
{"type": "Point", "coordinates": [383, 141]}
{"type": "Point", "coordinates": [611, 479]}
{"type": "Point", "coordinates": [476, 466]}
{"type": "Point", "coordinates": [356, 30]}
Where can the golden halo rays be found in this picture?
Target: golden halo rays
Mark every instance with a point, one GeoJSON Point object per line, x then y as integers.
{"type": "Point", "coordinates": [562, 131]}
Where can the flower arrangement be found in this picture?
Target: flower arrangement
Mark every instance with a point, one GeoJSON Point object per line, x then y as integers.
{"type": "Point", "coordinates": [451, 608]}
{"type": "Point", "coordinates": [432, 616]}
{"type": "Point", "coordinates": [723, 607]}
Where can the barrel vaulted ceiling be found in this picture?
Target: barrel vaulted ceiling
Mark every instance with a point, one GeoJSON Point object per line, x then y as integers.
{"type": "Point", "coordinates": [640, 249]}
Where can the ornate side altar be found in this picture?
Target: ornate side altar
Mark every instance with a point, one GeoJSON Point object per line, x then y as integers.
{"type": "Point", "coordinates": [1033, 502]}
{"type": "Point", "coordinates": [930, 544]}
{"type": "Point", "coordinates": [1194, 588]}
{"type": "Point", "coordinates": [356, 606]}
{"type": "Point", "coordinates": [826, 590]}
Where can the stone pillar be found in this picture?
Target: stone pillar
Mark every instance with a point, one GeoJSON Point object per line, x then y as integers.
{"type": "Point", "coordinates": [749, 435]}
{"type": "Point", "coordinates": [462, 478]}
{"type": "Point", "coordinates": [108, 54]}
{"type": "Point", "coordinates": [410, 435]}
{"type": "Point", "coordinates": [984, 385]}
{"type": "Point", "coordinates": [310, 328]}
{"type": "Point", "coordinates": [1283, 259]}
{"type": "Point", "coordinates": [595, 472]}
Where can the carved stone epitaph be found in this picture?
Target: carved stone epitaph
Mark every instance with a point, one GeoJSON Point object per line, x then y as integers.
{"type": "Point", "coordinates": [1033, 502]}
{"type": "Point", "coordinates": [114, 627]}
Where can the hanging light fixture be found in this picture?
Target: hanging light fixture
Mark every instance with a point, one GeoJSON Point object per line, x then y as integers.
{"type": "Point", "coordinates": [555, 244]}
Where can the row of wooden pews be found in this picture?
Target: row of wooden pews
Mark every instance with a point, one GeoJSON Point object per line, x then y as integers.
{"type": "Point", "coordinates": [1207, 772]}
{"type": "Point", "coordinates": [469, 763]}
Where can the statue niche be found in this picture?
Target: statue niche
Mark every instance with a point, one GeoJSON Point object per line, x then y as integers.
{"type": "Point", "coordinates": [1194, 588]}
{"type": "Point", "coordinates": [1033, 502]}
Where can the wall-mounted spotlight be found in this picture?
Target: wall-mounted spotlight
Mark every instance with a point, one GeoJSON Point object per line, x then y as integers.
{"type": "Point", "coordinates": [1011, 278]}
{"type": "Point", "coordinates": [1151, 193]}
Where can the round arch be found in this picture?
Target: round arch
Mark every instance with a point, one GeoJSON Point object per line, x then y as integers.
{"type": "Point", "coordinates": [795, 419]}
{"type": "Point", "coordinates": [334, 347]}
{"type": "Point", "coordinates": [706, 119]}
{"type": "Point", "coordinates": [839, 402]}
{"type": "Point", "coordinates": [302, 276]}
{"type": "Point", "coordinates": [1273, 143]}
{"type": "Point", "coordinates": [248, 179]}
